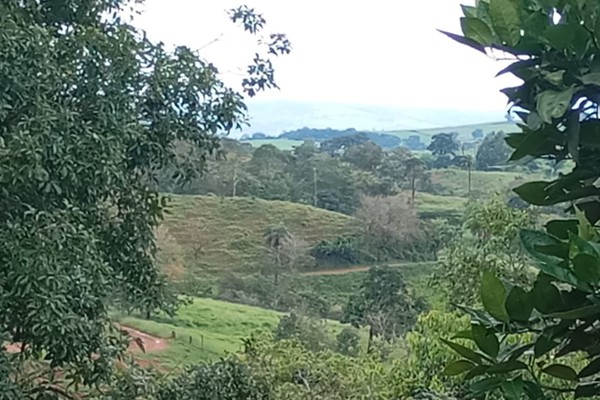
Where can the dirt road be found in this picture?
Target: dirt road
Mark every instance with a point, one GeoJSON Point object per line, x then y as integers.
{"type": "Point", "coordinates": [139, 339]}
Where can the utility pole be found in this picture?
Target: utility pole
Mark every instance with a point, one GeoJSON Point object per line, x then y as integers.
{"type": "Point", "coordinates": [315, 186]}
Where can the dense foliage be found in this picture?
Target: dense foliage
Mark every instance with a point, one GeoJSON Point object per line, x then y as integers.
{"type": "Point", "coordinates": [554, 45]}
{"type": "Point", "coordinates": [90, 108]}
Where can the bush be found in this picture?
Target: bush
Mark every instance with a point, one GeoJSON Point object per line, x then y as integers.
{"type": "Point", "coordinates": [225, 380]}
{"type": "Point", "coordinates": [348, 342]}
{"type": "Point", "coordinates": [427, 356]}
{"type": "Point", "coordinates": [341, 251]}
{"type": "Point", "coordinates": [310, 332]}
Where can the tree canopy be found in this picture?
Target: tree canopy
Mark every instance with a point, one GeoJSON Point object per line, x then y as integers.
{"type": "Point", "coordinates": [90, 110]}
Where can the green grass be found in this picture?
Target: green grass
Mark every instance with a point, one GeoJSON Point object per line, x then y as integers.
{"type": "Point", "coordinates": [435, 206]}
{"type": "Point", "coordinates": [226, 234]}
{"type": "Point", "coordinates": [454, 182]}
{"type": "Point", "coordinates": [282, 144]}
{"type": "Point", "coordinates": [216, 328]}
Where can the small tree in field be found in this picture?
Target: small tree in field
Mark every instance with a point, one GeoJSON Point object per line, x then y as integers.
{"type": "Point", "coordinates": [275, 238]}
{"type": "Point", "coordinates": [384, 304]}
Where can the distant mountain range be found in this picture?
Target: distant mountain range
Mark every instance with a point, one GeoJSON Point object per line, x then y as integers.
{"type": "Point", "coordinates": [275, 117]}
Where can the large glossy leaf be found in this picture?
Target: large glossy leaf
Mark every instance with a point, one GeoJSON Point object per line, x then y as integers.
{"type": "Point", "coordinates": [519, 304]}
{"type": "Point", "coordinates": [534, 193]}
{"type": "Point", "coordinates": [506, 20]}
{"type": "Point", "coordinates": [560, 36]}
{"type": "Point", "coordinates": [591, 369]}
{"type": "Point", "coordinates": [466, 41]}
{"type": "Point", "coordinates": [493, 296]}
{"type": "Point", "coordinates": [464, 351]}
{"type": "Point", "coordinates": [508, 366]}
{"type": "Point", "coordinates": [485, 385]}
{"type": "Point", "coordinates": [486, 340]}
{"type": "Point", "coordinates": [561, 371]}
{"type": "Point", "coordinates": [554, 104]}
{"type": "Point", "coordinates": [476, 29]}
{"type": "Point", "coordinates": [458, 367]}
{"type": "Point", "coordinates": [587, 268]}
{"type": "Point", "coordinates": [578, 313]}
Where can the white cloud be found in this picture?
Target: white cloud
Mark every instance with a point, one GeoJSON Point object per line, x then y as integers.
{"type": "Point", "coordinates": [385, 52]}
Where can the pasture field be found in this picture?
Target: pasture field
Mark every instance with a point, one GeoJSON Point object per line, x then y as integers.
{"type": "Point", "coordinates": [206, 330]}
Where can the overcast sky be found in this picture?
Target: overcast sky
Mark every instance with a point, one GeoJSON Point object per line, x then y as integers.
{"type": "Point", "coordinates": [376, 52]}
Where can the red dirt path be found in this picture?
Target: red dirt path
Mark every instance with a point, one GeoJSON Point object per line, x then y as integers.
{"type": "Point", "coordinates": [149, 343]}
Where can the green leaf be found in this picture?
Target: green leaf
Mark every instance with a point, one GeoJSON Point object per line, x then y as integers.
{"type": "Point", "coordinates": [560, 36]}
{"type": "Point", "coordinates": [486, 340]}
{"type": "Point", "coordinates": [585, 229]}
{"type": "Point", "coordinates": [477, 371]}
{"type": "Point", "coordinates": [469, 11]}
{"type": "Point", "coordinates": [508, 366]}
{"type": "Point", "coordinates": [553, 104]}
{"type": "Point", "coordinates": [485, 385]}
{"type": "Point", "coordinates": [591, 79]}
{"type": "Point", "coordinates": [506, 20]}
{"type": "Point", "coordinates": [519, 304]}
{"type": "Point", "coordinates": [591, 369]}
{"type": "Point", "coordinates": [543, 344]}
{"type": "Point", "coordinates": [493, 296]}
{"type": "Point", "coordinates": [464, 351]}
{"type": "Point", "coordinates": [466, 334]}
{"type": "Point", "coordinates": [587, 390]}
{"type": "Point", "coordinates": [587, 268]}
{"type": "Point", "coordinates": [458, 367]}
{"type": "Point", "coordinates": [514, 389]}
{"type": "Point", "coordinates": [546, 296]}
{"type": "Point", "coordinates": [561, 371]}
{"type": "Point", "coordinates": [534, 193]}
{"type": "Point", "coordinates": [477, 30]}
{"type": "Point", "coordinates": [466, 41]}
{"type": "Point", "coordinates": [578, 313]}
{"type": "Point", "coordinates": [562, 228]}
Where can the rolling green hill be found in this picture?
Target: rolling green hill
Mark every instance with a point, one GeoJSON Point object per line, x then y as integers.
{"type": "Point", "coordinates": [454, 182]}
{"type": "Point", "coordinates": [211, 234]}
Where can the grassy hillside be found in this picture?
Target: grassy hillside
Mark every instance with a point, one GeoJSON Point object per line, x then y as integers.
{"type": "Point", "coordinates": [206, 330]}
{"type": "Point", "coordinates": [435, 206]}
{"type": "Point", "coordinates": [211, 234]}
{"type": "Point", "coordinates": [454, 182]}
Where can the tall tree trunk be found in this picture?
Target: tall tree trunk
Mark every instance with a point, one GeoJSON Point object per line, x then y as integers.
{"type": "Point", "coordinates": [233, 191]}
{"type": "Point", "coordinates": [370, 341]}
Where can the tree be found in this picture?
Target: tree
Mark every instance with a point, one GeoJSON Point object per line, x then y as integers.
{"type": "Point", "coordinates": [493, 151]}
{"type": "Point", "coordinates": [388, 225]}
{"type": "Point", "coordinates": [477, 134]}
{"type": "Point", "coordinates": [553, 46]}
{"type": "Point", "coordinates": [443, 144]}
{"type": "Point", "coordinates": [384, 304]}
{"type": "Point", "coordinates": [275, 238]}
{"type": "Point", "coordinates": [366, 156]}
{"type": "Point", "coordinates": [336, 146]}
{"type": "Point", "coordinates": [91, 110]}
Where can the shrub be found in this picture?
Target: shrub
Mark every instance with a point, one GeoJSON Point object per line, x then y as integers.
{"type": "Point", "coordinates": [348, 342]}
{"type": "Point", "coordinates": [310, 332]}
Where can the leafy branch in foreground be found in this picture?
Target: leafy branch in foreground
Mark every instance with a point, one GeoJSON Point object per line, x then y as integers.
{"type": "Point", "coordinates": [529, 337]}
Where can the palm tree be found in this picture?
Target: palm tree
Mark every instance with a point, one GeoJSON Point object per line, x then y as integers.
{"type": "Point", "coordinates": [275, 237]}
